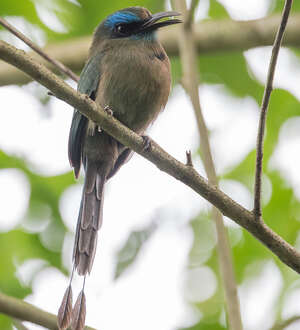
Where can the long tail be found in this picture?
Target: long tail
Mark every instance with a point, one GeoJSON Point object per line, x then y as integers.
{"type": "Point", "coordinates": [88, 224]}
{"type": "Point", "coordinates": [89, 219]}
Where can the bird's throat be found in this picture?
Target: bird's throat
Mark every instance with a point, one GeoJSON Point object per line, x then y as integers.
{"type": "Point", "coordinates": [145, 36]}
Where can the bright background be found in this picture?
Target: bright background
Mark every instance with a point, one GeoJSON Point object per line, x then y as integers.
{"type": "Point", "coordinates": [156, 264]}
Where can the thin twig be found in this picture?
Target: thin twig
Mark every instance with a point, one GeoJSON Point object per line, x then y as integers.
{"type": "Point", "coordinates": [38, 50]}
{"type": "Point", "coordinates": [189, 161]}
{"type": "Point", "coordinates": [191, 81]}
{"type": "Point", "coordinates": [282, 325]}
{"type": "Point", "coordinates": [24, 311]}
{"type": "Point", "coordinates": [264, 109]}
{"type": "Point", "coordinates": [190, 14]}
{"type": "Point", "coordinates": [164, 161]}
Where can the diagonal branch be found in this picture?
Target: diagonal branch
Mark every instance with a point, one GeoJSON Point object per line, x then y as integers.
{"type": "Point", "coordinates": [165, 162]}
{"type": "Point", "coordinates": [38, 50]}
{"type": "Point", "coordinates": [191, 81]}
{"type": "Point", "coordinates": [284, 324]}
{"type": "Point", "coordinates": [24, 311]}
{"type": "Point", "coordinates": [264, 109]}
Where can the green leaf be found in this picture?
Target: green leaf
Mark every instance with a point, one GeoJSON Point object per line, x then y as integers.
{"type": "Point", "coordinates": [278, 5]}
{"type": "Point", "coordinates": [132, 247]}
{"type": "Point", "coordinates": [244, 172]}
{"type": "Point", "coordinates": [217, 10]}
{"type": "Point", "coordinates": [43, 207]}
{"type": "Point", "coordinates": [206, 325]}
{"type": "Point", "coordinates": [92, 12]}
{"type": "Point", "coordinates": [231, 70]}
{"type": "Point", "coordinates": [17, 246]}
{"type": "Point", "coordinates": [22, 8]}
{"type": "Point", "coordinates": [281, 212]}
{"type": "Point", "coordinates": [5, 322]}
{"type": "Point", "coordinates": [283, 106]}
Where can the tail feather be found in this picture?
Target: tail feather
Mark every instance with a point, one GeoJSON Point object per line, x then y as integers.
{"type": "Point", "coordinates": [97, 220]}
{"type": "Point", "coordinates": [84, 245]}
{"type": "Point", "coordinates": [89, 221]}
{"type": "Point", "coordinates": [86, 259]}
{"type": "Point", "coordinates": [90, 203]}
{"type": "Point", "coordinates": [91, 258]}
{"type": "Point", "coordinates": [90, 177]}
{"type": "Point", "coordinates": [99, 186]}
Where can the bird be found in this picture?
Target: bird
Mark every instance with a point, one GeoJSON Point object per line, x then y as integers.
{"type": "Point", "coordinates": [127, 73]}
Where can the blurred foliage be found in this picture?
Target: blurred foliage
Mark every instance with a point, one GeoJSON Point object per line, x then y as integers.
{"type": "Point", "coordinates": [217, 69]}
{"type": "Point", "coordinates": [216, 10]}
{"type": "Point", "coordinates": [229, 69]}
{"type": "Point", "coordinates": [132, 247]}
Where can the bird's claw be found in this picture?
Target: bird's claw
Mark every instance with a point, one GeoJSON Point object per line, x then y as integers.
{"type": "Point", "coordinates": [108, 110]}
{"type": "Point", "coordinates": [146, 143]}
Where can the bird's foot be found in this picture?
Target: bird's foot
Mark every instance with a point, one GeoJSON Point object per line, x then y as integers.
{"type": "Point", "coordinates": [146, 143]}
{"type": "Point", "coordinates": [108, 110]}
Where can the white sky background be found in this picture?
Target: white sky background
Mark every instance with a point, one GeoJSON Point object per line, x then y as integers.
{"type": "Point", "coordinates": [151, 294]}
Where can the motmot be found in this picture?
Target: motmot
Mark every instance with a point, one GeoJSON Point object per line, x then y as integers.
{"type": "Point", "coordinates": [128, 74]}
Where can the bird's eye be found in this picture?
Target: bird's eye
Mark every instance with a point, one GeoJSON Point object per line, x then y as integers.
{"type": "Point", "coordinates": [121, 29]}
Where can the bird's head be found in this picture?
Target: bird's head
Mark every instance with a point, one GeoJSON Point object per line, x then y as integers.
{"type": "Point", "coordinates": [135, 23]}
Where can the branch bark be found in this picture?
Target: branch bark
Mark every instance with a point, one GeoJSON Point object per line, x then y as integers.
{"type": "Point", "coordinates": [24, 311]}
{"type": "Point", "coordinates": [191, 82]}
{"type": "Point", "coordinates": [210, 36]}
{"type": "Point", "coordinates": [264, 109]}
{"type": "Point", "coordinates": [165, 162]}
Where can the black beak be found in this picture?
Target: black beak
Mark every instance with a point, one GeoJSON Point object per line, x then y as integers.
{"type": "Point", "coordinates": [153, 23]}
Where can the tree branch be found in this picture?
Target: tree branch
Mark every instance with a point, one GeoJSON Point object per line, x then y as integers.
{"type": "Point", "coordinates": [264, 109]}
{"type": "Point", "coordinates": [191, 81]}
{"type": "Point", "coordinates": [38, 50]}
{"type": "Point", "coordinates": [165, 162]}
{"type": "Point", "coordinates": [282, 325]}
{"type": "Point", "coordinates": [24, 311]}
{"type": "Point", "coordinates": [190, 14]}
{"type": "Point", "coordinates": [210, 36]}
